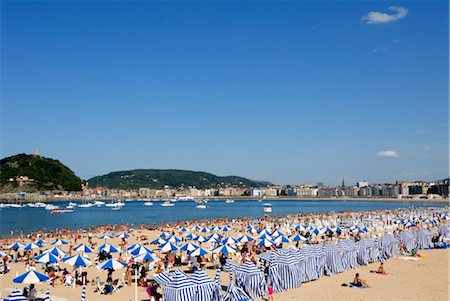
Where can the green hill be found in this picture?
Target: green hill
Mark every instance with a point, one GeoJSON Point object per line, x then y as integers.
{"type": "Point", "coordinates": [158, 178]}
{"type": "Point", "coordinates": [43, 174]}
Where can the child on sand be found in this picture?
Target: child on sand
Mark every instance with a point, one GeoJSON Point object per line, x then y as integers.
{"type": "Point", "coordinates": [270, 293]}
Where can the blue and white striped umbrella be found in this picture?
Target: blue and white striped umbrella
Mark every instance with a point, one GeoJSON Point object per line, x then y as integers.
{"type": "Point", "coordinates": [276, 233]}
{"type": "Point", "coordinates": [189, 247]}
{"type": "Point", "coordinates": [31, 246]}
{"type": "Point", "coordinates": [83, 249]}
{"type": "Point", "coordinates": [200, 238]}
{"type": "Point", "coordinates": [78, 261]}
{"type": "Point", "coordinates": [140, 250]}
{"type": "Point", "coordinates": [159, 241]}
{"type": "Point", "coordinates": [164, 234]}
{"type": "Point", "coordinates": [106, 236]}
{"type": "Point", "coordinates": [173, 239]}
{"type": "Point", "coordinates": [216, 235]}
{"type": "Point", "coordinates": [47, 257]}
{"type": "Point", "coordinates": [184, 229]}
{"type": "Point", "coordinates": [199, 252]}
{"type": "Point", "coordinates": [169, 247]}
{"type": "Point", "coordinates": [83, 294]}
{"type": "Point", "coordinates": [226, 228]}
{"type": "Point", "coordinates": [111, 264]}
{"type": "Point", "coordinates": [59, 242]}
{"type": "Point", "coordinates": [16, 295]}
{"type": "Point", "coordinates": [205, 230]}
{"type": "Point", "coordinates": [31, 277]}
{"type": "Point", "coordinates": [39, 241]}
{"type": "Point", "coordinates": [229, 241]}
{"type": "Point", "coordinates": [145, 257]}
{"type": "Point", "coordinates": [298, 237]}
{"type": "Point", "coordinates": [108, 248]}
{"type": "Point", "coordinates": [132, 247]}
{"type": "Point", "coordinates": [245, 238]}
{"type": "Point", "coordinates": [16, 245]}
{"type": "Point", "coordinates": [224, 250]}
{"type": "Point", "coordinates": [282, 239]}
{"type": "Point", "coordinates": [212, 239]}
{"type": "Point", "coordinates": [191, 236]}
{"type": "Point", "coordinates": [123, 235]}
{"type": "Point", "coordinates": [265, 243]}
{"type": "Point", "coordinates": [56, 251]}
{"type": "Point", "coordinates": [215, 228]}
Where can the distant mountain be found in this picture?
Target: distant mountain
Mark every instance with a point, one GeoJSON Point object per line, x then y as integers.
{"type": "Point", "coordinates": [35, 173]}
{"type": "Point", "coordinates": [158, 178]}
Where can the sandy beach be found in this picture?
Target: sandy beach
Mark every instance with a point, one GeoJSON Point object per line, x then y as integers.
{"type": "Point", "coordinates": [427, 278]}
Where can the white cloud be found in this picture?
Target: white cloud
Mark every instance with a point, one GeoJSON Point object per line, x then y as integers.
{"type": "Point", "coordinates": [388, 154]}
{"type": "Point", "coordinates": [375, 17]}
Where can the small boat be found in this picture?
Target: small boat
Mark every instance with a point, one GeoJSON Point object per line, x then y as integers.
{"type": "Point", "coordinates": [51, 207]}
{"type": "Point", "coordinates": [167, 204]}
{"type": "Point", "coordinates": [148, 203]}
{"type": "Point", "coordinates": [267, 207]}
{"type": "Point", "coordinates": [69, 207]}
{"type": "Point", "coordinates": [73, 204]}
{"type": "Point", "coordinates": [40, 205]}
{"type": "Point", "coordinates": [86, 205]}
{"type": "Point", "coordinates": [99, 203]}
{"type": "Point", "coordinates": [201, 206]}
{"type": "Point", "coordinates": [14, 205]}
{"type": "Point", "coordinates": [116, 208]}
{"type": "Point", "coordinates": [61, 211]}
{"type": "Point", "coordinates": [229, 201]}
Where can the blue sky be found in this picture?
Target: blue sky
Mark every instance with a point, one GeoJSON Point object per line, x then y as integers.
{"type": "Point", "coordinates": [290, 92]}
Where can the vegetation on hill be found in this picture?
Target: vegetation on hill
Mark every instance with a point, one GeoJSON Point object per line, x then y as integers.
{"type": "Point", "coordinates": [43, 174]}
{"type": "Point", "coordinates": [159, 178]}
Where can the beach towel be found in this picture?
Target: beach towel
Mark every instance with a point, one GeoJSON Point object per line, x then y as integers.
{"type": "Point", "coordinates": [351, 285]}
{"type": "Point", "coordinates": [409, 258]}
{"type": "Point", "coordinates": [376, 272]}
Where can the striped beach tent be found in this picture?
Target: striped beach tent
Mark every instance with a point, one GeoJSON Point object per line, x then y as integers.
{"type": "Point", "coordinates": [83, 294]}
{"type": "Point", "coordinates": [217, 293]}
{"type": "Point", "coordinates": [205, 286]}
{"type": "Point", "coordinates": [163, 278]}
{"type": "Point", "coordinates": [47, 296]}
{"type": "Point", "coordinates": [230, 266]}
{"type": "Point", "coordinates": [334, 259]}
{"type": "Point", "coordinates": [16, 295]}
{"type": "Point", "coordinates": [251, 279]}
{"type": "Point", "coordinates": [180, 288]}
{"type": "Point", "coordinates": [424, 239]}
{"type": "Point", "coordinates": [234, 293]}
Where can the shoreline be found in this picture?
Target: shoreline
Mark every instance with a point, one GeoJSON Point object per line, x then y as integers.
{"type": "Point", "coordinates": [236, 198]}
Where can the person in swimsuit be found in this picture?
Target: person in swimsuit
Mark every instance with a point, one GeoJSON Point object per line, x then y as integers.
{"type": "Point", "coordinates": [359, 282]}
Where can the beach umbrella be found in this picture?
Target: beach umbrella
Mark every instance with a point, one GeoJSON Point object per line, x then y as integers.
{"type": "Point", "coordinates": [123, 235]}
{"type": "Point", "coordinates": [205, 230]}
{"type": "Point", "coordinates": [47, 257]}
{"type": "Point", "coordinates": [224, 250]}
{"type": "Point", "coordinates": [212, 239]}
{"type": "Point", "coordinates": [266, 236]}
{"type": "Point", "coordinates": [56, 251]}
{"type": "Point", "coordinates": [164, 234]}
{"type": "Point", "coordinates": [133, 246]}
{"type": "Point", "coordinates": [184, 229]}
{"type": "Point", "coordinates": [173, 239]}
{"type": "Point", "coordinates": [47, 296]}
{"type": "Point", "coordinates": [78, 261]}
{"type": "Point", "coordinates": [111, 264]}
{"type": "Point", "coordinates": [39, 241]}
{"type": "Point", "coordinates": [216, 235]}
{"type": "Point", "coordinates": [145, 257]}
{"type": "Point", "coordinates": [264, 231]}
{"type": "Point", "coordinates": [140, 250]}
{"type": "Point", "coordinates": [229, 241]}
{"type": "Point", "coordinates": [108, 248]}
{"type": "Point", "coordinates": [16, 295]}
{"type": "Point", "coordinates": [265, 243]}
{"type": "Point", "coordinates": [282, 239]}
{"type": "Point", "coordinates": [245, 238]}
{"type": "Point", "coordinates": [226, 228]}
{"type": "Point", "coordinates": [200, 238]}
{"type": "Point", "coordinates": [59, 242]}
{"type": "Point", "coordinates": [199, 252]}
{"type": "Point", "coordinates": [83, 294]}
{"type": "Point", "coordinates": [191, 236]}
{"type": "Point", "coordinates": [31, 277]}
{"type": "Point", "coordinates": [31, 246]}
{"type": "Point", "coordinates": [168, 247]}
{"type": "Point", "coordinates": [189, 247]}
{"type": "Point", "coordinates": [276, 233]}
{"type": "Point", "coordinates": [158, 241]}
{"type": "Point", "coordinates": [83, 249]}
{"type": "Point", "coordinates": [215, 228]}
{"type": "Point", "coordinates": [16, 245]}
{"type": "Point", "coordinates": [297, 237]}
{"type": "Point", "coordinates": [105, 237]}
{"type": "Point", "coordinates": [196, 228]}
{"type": "Point", "coordinates": [300, 228]}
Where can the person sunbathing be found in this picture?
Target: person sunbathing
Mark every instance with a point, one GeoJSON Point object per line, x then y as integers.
{"type": "Point", "coordinates": [359, 282]}
{"type": "Point", "coordinates": [380, 270]}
